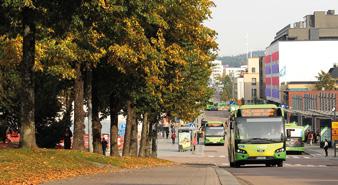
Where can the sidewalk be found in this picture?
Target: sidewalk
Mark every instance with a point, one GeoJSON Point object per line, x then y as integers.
{"type": "Point", "coordinates": [315, 151]}
{"type": "Point", "coordinates": [166, 148]}
{"type": "Point", "coordinates": [193, 169]}
{"type": "Point", "coordinates": [176, 175]}
{"type": "Point", "coordinates": [197, 158]}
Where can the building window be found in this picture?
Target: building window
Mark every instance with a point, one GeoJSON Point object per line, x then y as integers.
{"type": "Point", "coordinates": [253, 70]}
{"type": "Point", "coordinates": [254, 93]}
{"type": "Point", "coordinates": [253, 81]}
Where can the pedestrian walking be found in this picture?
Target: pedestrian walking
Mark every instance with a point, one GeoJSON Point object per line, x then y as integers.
{"type": "Point", "coordinates": [195, 141]}
{"type": "Point", "coordinates": [310, 137]}
{"type": "Point", "coordinates": [167, 132]}
{"type": "Point", "coordinates": [67, 138]}
{"type": "Point", "coordinates": [104, 144]}
{"type": "Point", "coordinates": [326, 147]}
{"type": "Point", "coordinates": [173, 137]}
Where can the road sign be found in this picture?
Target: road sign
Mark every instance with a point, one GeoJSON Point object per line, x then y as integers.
{"type": "Point", "coordinates": [334, 130]}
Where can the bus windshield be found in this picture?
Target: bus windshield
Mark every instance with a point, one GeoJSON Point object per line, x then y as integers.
{"type": "Point", "coordinates": [259, 130]}
{"type": "Point", "coordinates": [214, 131]}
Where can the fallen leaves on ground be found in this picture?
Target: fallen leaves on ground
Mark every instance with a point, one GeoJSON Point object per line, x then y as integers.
{"type": "Point", "coordinates": [30, 167]}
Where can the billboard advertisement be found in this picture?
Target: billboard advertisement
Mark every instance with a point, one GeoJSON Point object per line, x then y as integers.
{"type": "Point", "coordinates": [296, 61]}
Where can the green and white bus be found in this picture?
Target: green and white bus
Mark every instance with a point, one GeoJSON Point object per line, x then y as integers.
{"type": "Point", "coordinates": [214, 133]}
{"type": "Point", "coordinates": [256, 135]}
{"type": "Point", "coordinates": [294, 138]}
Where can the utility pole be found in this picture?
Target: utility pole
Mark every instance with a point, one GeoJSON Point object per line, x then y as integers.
{"type": "Point", "coordinates": [334, 120]}
{"type": "Point", "coordinates": [233, 85]}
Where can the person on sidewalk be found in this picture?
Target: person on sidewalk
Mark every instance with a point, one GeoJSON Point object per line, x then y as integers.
{"type": "Point", "coordinates": [67, 138]}
{"type": "Point", "coordinates": [199, 133]}
{"type": "Point", "coordinates": [326, 146]}
{"type": "Point", "coordinates": [104, 144]}
{"type": "Point", "coordinates": [310, 137]}
{"type": "Point", "coordinates": [173, 137]}
{"type": "Point", "coordinates": [195, 141]}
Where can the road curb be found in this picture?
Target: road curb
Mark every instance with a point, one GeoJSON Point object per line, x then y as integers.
{"type": "Point", "coordinates": [225, 177]}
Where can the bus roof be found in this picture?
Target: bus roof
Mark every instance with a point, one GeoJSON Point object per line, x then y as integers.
{"type": "Point", "coordinates": [258, 106]}
{"type": "Point", "coordinates": [293, 125]}
{"type": "Point", "coordinates": [215, 122]}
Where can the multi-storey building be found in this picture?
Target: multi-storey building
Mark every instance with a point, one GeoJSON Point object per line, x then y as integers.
{"type": "Point", "coordinates": [251, 81]}
{"type": "Point", "coordinates": [236, 76]}
{"type": "Point", "coordinates": [291, 66]}
{"type": "Point", "coordinates": [217, 72]}
{"type": "Point", "coordinates": [319, 26]}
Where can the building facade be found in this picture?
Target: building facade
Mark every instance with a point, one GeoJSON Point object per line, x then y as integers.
{"type": "Point", "coordinates": [240, 88]}
{"type": "Point", "coordinates": [217, 72]}
{"type": "Point", "coordinates": [295, 61]}
{"type": "Point", "coordinates": [319, 26]}
{"type": "Point", "coordinates": [251, 81]}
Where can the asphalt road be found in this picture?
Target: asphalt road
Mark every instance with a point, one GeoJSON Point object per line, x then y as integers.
{"type": "Point", "coordinates": [200, 167]}
{"type": "Point", "coordinates": [297, 170]}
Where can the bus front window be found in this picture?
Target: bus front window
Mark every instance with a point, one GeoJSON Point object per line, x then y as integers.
{"type": "Point", "coordinates": [260, 130]}
{"type": "Point", "coordinates": [214, 131]}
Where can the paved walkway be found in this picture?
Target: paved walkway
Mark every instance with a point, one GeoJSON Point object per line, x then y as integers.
{"type": "Point", "coordinates": [176, 175]}
{"type": "Point", "coordinates": [315, 151]}
{"type": "Point", "coordinates": [193, 168]}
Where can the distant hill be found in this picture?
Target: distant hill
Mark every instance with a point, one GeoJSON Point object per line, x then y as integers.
{"type": "Point", "coordinates": [238, 60]}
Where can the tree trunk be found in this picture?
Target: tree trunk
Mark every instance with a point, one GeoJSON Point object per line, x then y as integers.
{"type": "Point", "coordinates": [67, 118]}
{"type": "Point", "coordinates": [154, 141]}
{"type": "Point", "coordinates": [144, 135]}
{"type": "Point", "coordinates": [89, 92]}
{"type": "Point", "coordinates": [134, 133]}
{"type": "Point", "coordinates": [127, 135]}
{"type": "Point", "coordinates": [96, 125]}
{"type": "Point", "coordinates": [114, 151]}
{"type": "Point", "coordinates": [27, 108]}
{"type": "Point", "coordinates": [78, 142]}
{"type": "Point", "coordinates": [149, 138]}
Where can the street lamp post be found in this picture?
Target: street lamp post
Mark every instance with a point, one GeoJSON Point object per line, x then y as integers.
{"type": "Point", "coordinates": [334, 120]}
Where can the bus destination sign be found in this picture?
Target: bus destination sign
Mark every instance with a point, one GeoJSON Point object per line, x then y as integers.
{"type": "Point", "coordinates": [266, 112]}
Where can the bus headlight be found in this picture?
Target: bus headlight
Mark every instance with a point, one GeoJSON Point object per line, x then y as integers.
{"type": "Point", "coordinates": [241, 151]}
{"type": "Point", "coordinates": [280, 150]}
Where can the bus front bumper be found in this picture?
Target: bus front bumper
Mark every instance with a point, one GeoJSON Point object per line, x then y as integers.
{"type": "Point", "coordinates": [246, 159]}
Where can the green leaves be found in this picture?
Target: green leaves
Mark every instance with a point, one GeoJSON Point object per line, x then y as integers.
{"type": "Point", "coordinates": [325, 81]}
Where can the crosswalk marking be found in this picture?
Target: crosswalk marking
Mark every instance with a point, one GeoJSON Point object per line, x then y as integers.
{"type": "Point", "coordinates": [213, 156]}
{"type": "Point", "coordinates": [304, 165]}
{"type": "Point", "coordinates": [297, 157]}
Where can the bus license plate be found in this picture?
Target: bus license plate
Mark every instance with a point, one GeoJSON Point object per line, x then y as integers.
{"type": "Point", "coordinates": [260, 157]}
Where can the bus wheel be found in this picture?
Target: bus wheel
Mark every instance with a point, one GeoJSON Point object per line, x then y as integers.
{"type": "Point", "coordinates": [237, 165]}
{"type": "Point", "coordinates": [268, 165]}
{"type": "Point", "coordinates": [232, 164]}
{"type": "Point", "coordinates": [280, 164]}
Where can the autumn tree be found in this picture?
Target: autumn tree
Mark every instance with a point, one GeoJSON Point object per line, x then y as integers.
{"type": "Point", "coordinates": [325, 81]}
{"type": "Point", "coordinates": [26, 18]}
{"type": "Point", "coordinates": [227, 89]}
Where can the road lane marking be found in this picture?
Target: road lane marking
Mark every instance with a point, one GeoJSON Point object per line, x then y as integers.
{"type": "Point", "coordinates": [304, 165]}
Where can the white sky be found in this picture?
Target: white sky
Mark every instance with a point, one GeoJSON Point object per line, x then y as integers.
{"type": "Point", "coordinates": [233, 20]}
